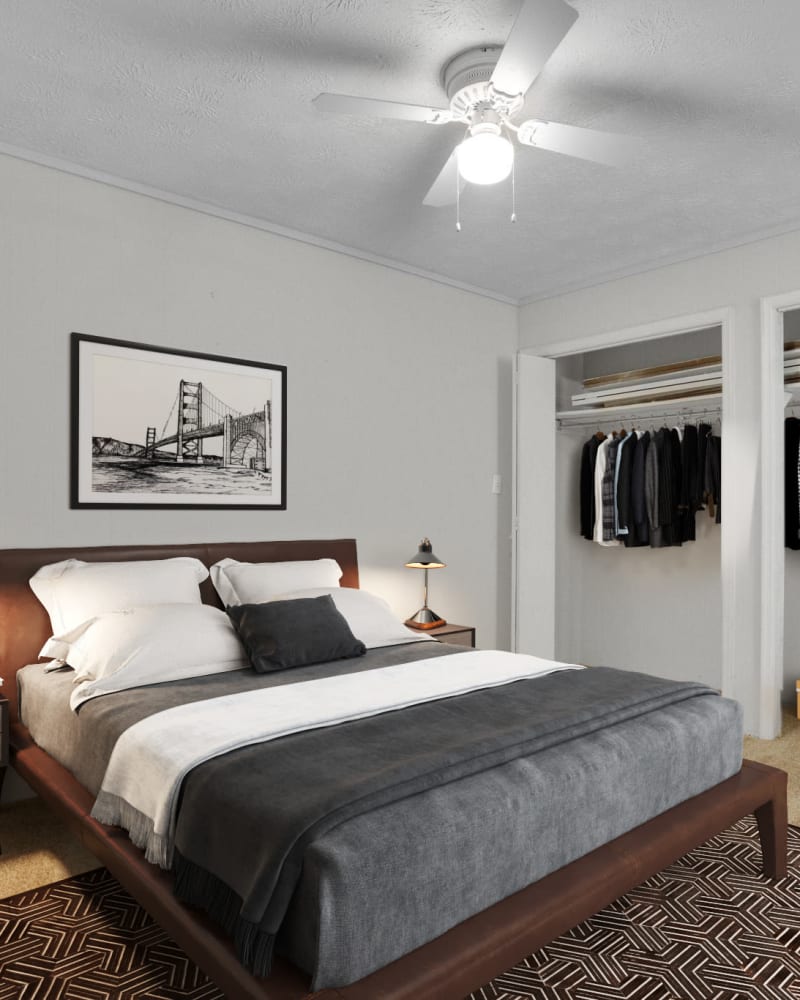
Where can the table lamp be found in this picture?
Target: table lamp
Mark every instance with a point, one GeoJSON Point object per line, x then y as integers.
{"type": "Point", "coordinates": [425, 559]}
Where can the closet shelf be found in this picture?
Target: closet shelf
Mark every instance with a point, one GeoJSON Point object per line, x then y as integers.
{"type": "Point", "coordinates": [667, 388]}
{"type": "Point", "coordinates": [654, 372]}
{"type": "Point", "coordinates": [697, 379]}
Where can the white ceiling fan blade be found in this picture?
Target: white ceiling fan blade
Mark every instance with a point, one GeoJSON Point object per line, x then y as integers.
{"type": "Point", "coordinates": [537, 32]}
{"type": "Point", "coordinates": [443, 190]}
{"type": "Point", "coordinates": [366, 106]}
{"type": "Point", "coordinates": [583, 143]}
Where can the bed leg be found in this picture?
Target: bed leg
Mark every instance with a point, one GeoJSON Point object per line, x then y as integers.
{"type": "Point", "coordinates": [772, 819]}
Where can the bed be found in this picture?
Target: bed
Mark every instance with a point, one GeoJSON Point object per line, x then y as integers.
{"type": "Point", "coordinates": [452, 963]}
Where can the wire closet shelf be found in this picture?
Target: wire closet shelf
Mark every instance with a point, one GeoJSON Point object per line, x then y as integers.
{"type": "Point", "coordinates": [679, 411]}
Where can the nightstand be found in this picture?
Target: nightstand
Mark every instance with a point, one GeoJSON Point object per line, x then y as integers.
{"type": "Point", "coordinates": [3, 741]}
{"type": "Point", "coordinates": [459, 635]}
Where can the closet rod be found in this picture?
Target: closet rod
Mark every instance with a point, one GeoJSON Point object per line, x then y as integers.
{"type": "Point", "coordinates": [643, 411]}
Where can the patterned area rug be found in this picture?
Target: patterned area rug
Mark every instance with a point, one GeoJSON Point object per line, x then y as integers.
{"type": "Point", "coordinates": [86, 939]}
{"type": "Point", "coordinates": [709, 927]}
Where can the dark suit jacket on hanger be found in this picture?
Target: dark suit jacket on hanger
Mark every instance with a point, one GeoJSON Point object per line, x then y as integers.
{"type": "Point", "coordinates": [641, 527]}
{"type": "Point", "coordinates": [624, 484]}
{"type": "Point", "coordinates": [690, 485]}
{"type": "Point", "coordinates": [714, 475]}
{"type": "Point", "coordinates": [588, 463]}
{"type": "Point", "coordinates": [791, 498]}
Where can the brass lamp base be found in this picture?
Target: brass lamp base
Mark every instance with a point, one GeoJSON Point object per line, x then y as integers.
{"type": "Point", "coordinates": [425, 618]}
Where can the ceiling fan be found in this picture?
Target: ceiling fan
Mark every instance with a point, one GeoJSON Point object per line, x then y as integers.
{"type": "Point", "coordinates": [486, 88]}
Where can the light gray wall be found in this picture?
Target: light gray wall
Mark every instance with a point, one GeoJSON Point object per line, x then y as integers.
{"type": "Point", "coordinates": [399, 388]}
{"type": "Point", "coordinates": [661, 351]}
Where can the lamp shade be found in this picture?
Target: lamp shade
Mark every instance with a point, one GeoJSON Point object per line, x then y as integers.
{"type": "Point", "coordinates": [485, 157]}
{"type": "Point", "coordinates": [424, 558]}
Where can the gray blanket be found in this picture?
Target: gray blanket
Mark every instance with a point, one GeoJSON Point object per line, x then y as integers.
{"type": "Point", "coordinates": [382, 884]}
{"type": "Point", "coordinates": [278, 798]}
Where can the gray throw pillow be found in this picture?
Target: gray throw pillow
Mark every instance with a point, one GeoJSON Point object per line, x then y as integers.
{"type": "Point", "coordinates": [282, 634]}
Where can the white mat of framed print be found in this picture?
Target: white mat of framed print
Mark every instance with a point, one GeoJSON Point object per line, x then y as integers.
{"type": "Point", "coordinates": [156, 427]}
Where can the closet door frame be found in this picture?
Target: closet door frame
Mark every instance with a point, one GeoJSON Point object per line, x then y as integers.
{"type": "Point", "coordinates": [734, 618]}
{"type": "Point", "coordinates": [533, 632]}
{"type": "Point", "coordinates": [773, 558]}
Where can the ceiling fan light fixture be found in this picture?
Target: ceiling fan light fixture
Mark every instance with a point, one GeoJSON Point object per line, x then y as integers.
{"type": "Point", "coordinates": [485, 157]}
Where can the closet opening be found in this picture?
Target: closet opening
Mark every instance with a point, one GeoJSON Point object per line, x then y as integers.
{"type": "Point", "coordinates": [651, 599]}
{"type": "Point", "coordinates": [659, 609]}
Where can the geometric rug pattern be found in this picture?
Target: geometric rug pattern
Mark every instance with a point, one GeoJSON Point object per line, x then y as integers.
{"type": "Point", "coordinates": [709, 927]}
{"type": "Point", "coordinates": [86, 939]}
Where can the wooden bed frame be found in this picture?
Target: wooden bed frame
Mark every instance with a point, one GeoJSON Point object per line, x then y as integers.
{"type": "Point", "coordinates": [453, 964]}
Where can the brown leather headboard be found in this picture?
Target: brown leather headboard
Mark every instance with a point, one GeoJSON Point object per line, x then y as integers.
{"type": "Point", "coordinates": [24, 624]}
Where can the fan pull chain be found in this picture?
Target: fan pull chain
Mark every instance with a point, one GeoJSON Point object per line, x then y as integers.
{"type": "Point", "coordinates": [458, 203]}
{"type": "Point", "coordinates": [514, 190]}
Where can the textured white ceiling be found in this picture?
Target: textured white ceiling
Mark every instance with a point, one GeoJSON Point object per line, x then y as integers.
{"type": "Point", "coordinates": [211, 100]}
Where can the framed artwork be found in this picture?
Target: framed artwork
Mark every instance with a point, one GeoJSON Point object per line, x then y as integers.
{"type": "Point", "coordinates": [156, 427]}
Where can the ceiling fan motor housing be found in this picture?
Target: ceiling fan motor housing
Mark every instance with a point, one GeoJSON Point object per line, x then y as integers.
{"type": "Point", "coordinates": [470, 67]}
{"type": "Point", "coordinates": [467, 83]}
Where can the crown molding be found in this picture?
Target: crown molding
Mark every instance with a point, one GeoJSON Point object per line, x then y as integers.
{"type": "Point", "coordinates": [205, 208]}
{"type": "Point", "coordinates": [215, 211]}
{"type": "Point", "coordinates": [656, 263]}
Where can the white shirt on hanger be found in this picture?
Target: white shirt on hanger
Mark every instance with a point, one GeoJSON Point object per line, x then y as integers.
{"type": "Point", "coordinates": [599, 472]}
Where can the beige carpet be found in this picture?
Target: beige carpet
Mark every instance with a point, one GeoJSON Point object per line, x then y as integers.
{"type": "Point", "coordinates": [39, 849]}
{"type": "Point", "coordinates": [784, 752]}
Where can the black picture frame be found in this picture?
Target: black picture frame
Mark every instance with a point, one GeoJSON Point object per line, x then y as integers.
{"type": "Point", "coordinates": [123, 387]}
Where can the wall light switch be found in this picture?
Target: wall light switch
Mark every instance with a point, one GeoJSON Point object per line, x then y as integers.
{"type": "Point", "coordinates": [497, 484]}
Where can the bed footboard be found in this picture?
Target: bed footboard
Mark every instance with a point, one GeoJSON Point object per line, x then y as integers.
{"type": "Point", "coordinates": [474, 951]}
{"type": "Point", "coordinates": [452, 966]}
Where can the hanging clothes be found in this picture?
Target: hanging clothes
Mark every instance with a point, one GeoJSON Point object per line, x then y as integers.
{"type": "Point", "coordinates": [690, 483]}
{"type": "Point", "coordinates": [791, 500]}
{"type": "Point", "coordinates": [676, 468]}
{"type": "Point", "coordinates": [601, 460]}
{"type": "Point", "coordinates": [651, 488]}
{"type": "Point", "coordinates": [703, 433]}
{"type": "Point", "coordinates": [601, 467]}
{"type": "Point", "coordinates": [640, 488]}
{"type": "Point", "coordinates": [641, 528]}
{"type": "Point", "coordinates": [662, 537]}
{"type": "Point", "coordinates": [588, 463]}
{"type": "Point", "coordinates": [713, 476]}
{"type": "Point", "coordinates": [622, 487]}
{"type": "Point", "coordinates": [607, 493]}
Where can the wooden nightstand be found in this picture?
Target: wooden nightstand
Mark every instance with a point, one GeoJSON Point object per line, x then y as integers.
{"type": "Point", "coordinates": [3, 742]}
{"type": "Point", "coordinates": [459, 635]}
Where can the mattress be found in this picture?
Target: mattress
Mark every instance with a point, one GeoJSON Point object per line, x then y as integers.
{"type": "Point", "coordinates": [457, 848]}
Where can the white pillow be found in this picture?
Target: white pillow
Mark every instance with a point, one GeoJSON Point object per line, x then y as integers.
{"type": "Point", "coordinates": [73, 591]}
{"type": "Point", "coordinates": [256, 583]}
{"type": "Point", "coordinates": [370, 618]}
{"type": "Point", "coordinates": [147, 645]}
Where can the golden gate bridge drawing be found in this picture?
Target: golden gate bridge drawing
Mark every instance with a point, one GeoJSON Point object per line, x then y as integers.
{"type": "Point", "coordinates": [246, 437]}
